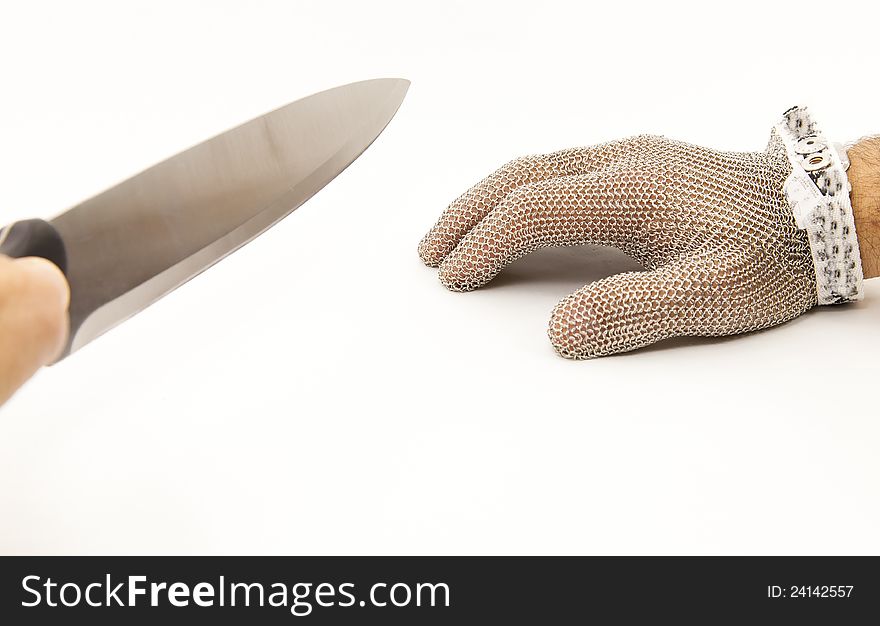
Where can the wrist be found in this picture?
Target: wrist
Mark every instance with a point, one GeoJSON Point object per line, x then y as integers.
{"type": "Point", "coordinates": [864, 176]}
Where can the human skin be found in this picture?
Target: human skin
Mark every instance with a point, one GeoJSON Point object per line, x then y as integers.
{"type": "Point", "coordinates": [864, 176]}
{"type": "Point", "coordinates": [33, 319]}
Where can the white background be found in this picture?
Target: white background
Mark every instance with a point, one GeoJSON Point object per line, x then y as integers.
{"type": "Point", "coordinates": [319, 392]}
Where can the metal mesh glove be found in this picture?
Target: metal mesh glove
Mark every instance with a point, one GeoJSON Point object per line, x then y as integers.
{"type": "Point", "coordinates": [721, 249]}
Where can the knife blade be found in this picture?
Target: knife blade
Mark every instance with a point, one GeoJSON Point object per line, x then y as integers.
{"type": "Point", "coordinates": [127, 247]}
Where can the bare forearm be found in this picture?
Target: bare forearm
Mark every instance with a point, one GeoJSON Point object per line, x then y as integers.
{"type": "Point", "coordinates": [864, 175]}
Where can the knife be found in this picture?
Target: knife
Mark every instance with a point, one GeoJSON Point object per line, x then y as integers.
{"type": "Point", "coordinates": [124, 249]}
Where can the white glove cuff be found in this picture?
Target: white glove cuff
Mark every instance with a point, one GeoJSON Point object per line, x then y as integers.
{"type": "Point", "coordinates": [818, 191]}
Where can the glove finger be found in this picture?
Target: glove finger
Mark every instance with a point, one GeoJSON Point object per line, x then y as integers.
{"type": "Point", "coordinates": [471, 207]}
{"type": "Point", "coordinates": [615, 208]}
{"type": "Point", "coordinates": [703, 294]}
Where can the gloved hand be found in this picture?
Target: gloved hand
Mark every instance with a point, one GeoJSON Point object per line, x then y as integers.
{"type": "Point", "coordinates": [721, 247]}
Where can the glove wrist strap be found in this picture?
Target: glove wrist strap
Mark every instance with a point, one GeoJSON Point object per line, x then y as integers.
{"type": "Point", "coordinates": [818, 192]}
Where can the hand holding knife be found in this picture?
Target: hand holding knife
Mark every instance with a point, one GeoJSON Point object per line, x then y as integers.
{"type": "Point", "coordinates": [33, 318]}
{"type": "Point", "coordinates": [127, 247]}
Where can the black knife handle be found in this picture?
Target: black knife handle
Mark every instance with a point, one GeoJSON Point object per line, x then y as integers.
{"type": "Point", "coordinates": [33, 238]}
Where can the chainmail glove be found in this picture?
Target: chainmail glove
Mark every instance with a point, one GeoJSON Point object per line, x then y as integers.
{"type": "Point", "coordinates": [718, 239]}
